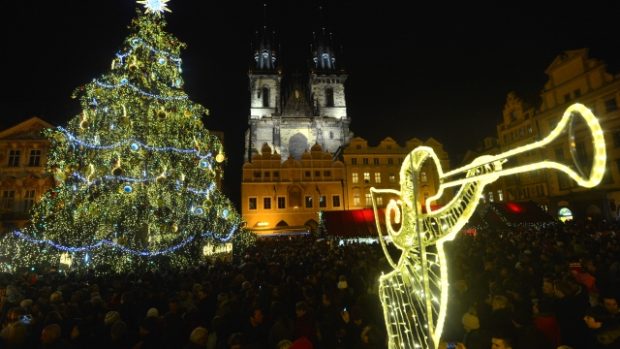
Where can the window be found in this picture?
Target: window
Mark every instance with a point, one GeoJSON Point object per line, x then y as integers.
{"type": "Point", "coordinates": [500, 195]}
{"type": "Point", "coordinates": [336, 201]}
{"type": "Point", "coordinates": [8, 199]}
{"type": "Point", "coordinates": [377, 177]}
{"type": "Point", "coordinates": [353, 161]}
{"type": "Point", "coordinates": [566, 100]}
{"type": "Point", "coordinates": [307, 174]}
{"type": "Point", "coordinates": [366, 177]}
{"type": "Point", "coordinates": [327, 173]}
{"type": "Point", "coordinates": [265, 97]}
{"type": "Point", "coordinates": [354, 177]}
{"type": "Point", "coordinates": [276, 174]}
{"type": "Point", "coordinates": [322, 201]}
{"type": "Point", "coordinates": [256, 174]}
{"type": "Point", "coordinates": [491, 196]}
{"type": "Point", "coordinates": [611, 105]}
{"type": "Point", "coordinates": [390, 161]}
{"type": "Point", "coordinates": [423, 177]}
{"type": "Point", "coordinates": [267, 174]}
{"type": "Point", "coordinates": [308, 201]}
{"type": "Point", "coordinates": [14, 158]}
{"type": "Point", "coordinates": [252, 203]}
{"type": "Point", "coordinates": [392, 178]}
{"type": "Point", "coordinates": [329, 97]}
{"type": "Point", "coordinates": [356, 199]}
{"type": "Point", "coordinates": [28, 200]}
{"type": "Point", "coordinates": [368, 199]}
{"type": "Point", "coordinates": [365, 161]}
{"type": "Point", "coordinates": [375, 161]}
{"type": "Point", "coordinates": [35, 158]}
{"type": "Point", "coordinates": [317, 174]}
{"type": "Point", "coordinates": [331, 135]}
{"type": "Point", "coordinates": [267, 203]}
{"type": "Point", "coordinates": [281, 202]}
{"type": "Point", "coordinates": [380, 200]}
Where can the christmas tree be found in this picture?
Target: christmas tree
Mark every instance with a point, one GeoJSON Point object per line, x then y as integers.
{"type": "Point", "coordinates": [136, 171]}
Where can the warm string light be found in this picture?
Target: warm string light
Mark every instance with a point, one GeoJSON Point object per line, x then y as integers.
{"type": "Point", "coordinates": [414, 295]}
{"type": "Point", "coordinates": [125, 82]}
{"type": "Point", "coordinates": [138, 145]}
{"type": "Point", "coordinates": [119, 214]}
{"type": "Point", "coordinates": [114, 245]}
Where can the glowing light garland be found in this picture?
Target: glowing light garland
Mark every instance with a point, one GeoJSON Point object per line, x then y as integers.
{"type": "Point", "coordinates": [107, 243]}
{"type": "Point", "coordinates": [124, 82]}
{"type": "Point", "coordinates": [414, 295]}
{"type": "Point", "coordinates": [130, 141]}
{"type": "Point", "coordinates": [89, 182]}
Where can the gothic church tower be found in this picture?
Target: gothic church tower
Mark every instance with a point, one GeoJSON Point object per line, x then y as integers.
{"type": "Point", "coordinates": [291, 115]}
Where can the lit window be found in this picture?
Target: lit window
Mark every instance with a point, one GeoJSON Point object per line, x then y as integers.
{"type": "Point", "coordinates": [368, 199]}
{"type": "Point", "coordinates": [500, 195]}
{"type": "Point", "coordinates": [356, 199]}
{"type": "Point", "coordinates": [267, 203]}
{"type": "Point", "coordinates": [423, 177]}
{"type": "Point", "coordinates": [380, 200]}
{"type": "Point", "coordinates": [35, 158]}
{"type": "Point", "coordinates": [354, 177]}
{"type": "Point", "coordinates": [366, 177]}
{"type": "Point", "coordinates": [252, 203]}
{"type": "Point", "coordinates": [377, 177]}
{"type": "Point", "coordinates": [491, 196]}
{"type": "Point", "coordinates": [392, 178]}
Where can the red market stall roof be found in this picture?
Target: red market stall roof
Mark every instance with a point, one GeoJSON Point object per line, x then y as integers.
{"type": "Point", "coordinates": [352, 223]}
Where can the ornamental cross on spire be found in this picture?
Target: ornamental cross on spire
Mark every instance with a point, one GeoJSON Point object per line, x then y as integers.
{"type": "Point", "coordinates": [156, 7]}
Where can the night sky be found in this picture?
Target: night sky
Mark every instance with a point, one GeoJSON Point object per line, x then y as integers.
{"type": "Point", "coordinates": [437, 70]}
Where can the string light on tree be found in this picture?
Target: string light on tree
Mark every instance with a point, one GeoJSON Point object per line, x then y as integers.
{"type": "Point", "coordinates": [135, 169]}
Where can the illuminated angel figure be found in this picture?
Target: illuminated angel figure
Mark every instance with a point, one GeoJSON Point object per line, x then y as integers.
{"type": "Point", "coordinates": [415, 294]}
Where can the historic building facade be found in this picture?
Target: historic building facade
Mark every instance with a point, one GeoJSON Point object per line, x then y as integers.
{"type": "Point", "coordinates": [23, 179]}
{"type": "Point", "coordinates": [379, 167]}
{"type": "Point", "coordinates": [296, 127]}
{"type": "Point", "coordinates": [573, 77]}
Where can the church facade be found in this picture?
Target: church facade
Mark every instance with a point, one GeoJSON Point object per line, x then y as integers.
{"type": "Point", "coordinates": [296, 127]}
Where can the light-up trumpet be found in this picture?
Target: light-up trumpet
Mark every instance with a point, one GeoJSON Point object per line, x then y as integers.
{"type": "Point", "coordinates": [415, 294]}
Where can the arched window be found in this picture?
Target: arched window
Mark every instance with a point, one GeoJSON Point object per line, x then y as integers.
{"type": "Point", "coordinates": [266, 97]}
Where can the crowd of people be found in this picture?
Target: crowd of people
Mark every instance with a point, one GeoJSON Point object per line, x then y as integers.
{"type": "Point", "coordinates": [535, 286]}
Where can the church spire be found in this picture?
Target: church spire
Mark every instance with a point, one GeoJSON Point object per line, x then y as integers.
{"type": "Point", "coordinates": [264, 47]}
{"type": "Point", "coordinates": [323, 47]}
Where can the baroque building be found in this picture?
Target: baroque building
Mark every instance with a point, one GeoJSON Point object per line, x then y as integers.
{"type": "Point", "coordinates": [572, 77]}
{"type": "Point", "coordinates": [23, 178]}
{"type": "Point", "coordinates": [379, 167]}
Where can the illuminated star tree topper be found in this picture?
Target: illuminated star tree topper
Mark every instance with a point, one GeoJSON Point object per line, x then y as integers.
{"type": "Point", "coordinates": [156, 7]}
